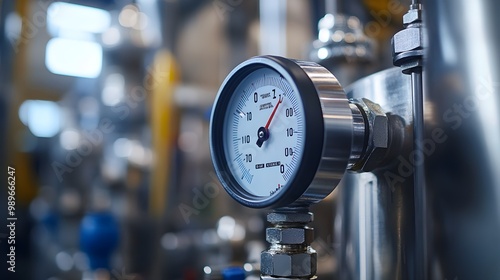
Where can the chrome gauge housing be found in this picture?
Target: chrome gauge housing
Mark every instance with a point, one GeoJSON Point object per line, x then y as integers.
{"type": "Point", "coordinates": [261, 164]}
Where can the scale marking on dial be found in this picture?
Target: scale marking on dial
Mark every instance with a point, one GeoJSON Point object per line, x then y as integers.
{"type": "Point", "coordinates": [265, 122]}
{"type": "Point", "coordinates": [281, 132]}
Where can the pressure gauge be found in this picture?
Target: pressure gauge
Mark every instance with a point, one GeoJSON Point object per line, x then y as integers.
{"type": "Point", "coordinates": [282, 132]}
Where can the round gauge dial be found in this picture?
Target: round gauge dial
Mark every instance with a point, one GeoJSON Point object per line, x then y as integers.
{"type": "Point", "coordinates": [280, 133]}
{"type": "Point", "coordinates": [266, 131]}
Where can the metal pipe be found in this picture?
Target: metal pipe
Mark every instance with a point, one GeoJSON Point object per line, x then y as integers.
{"type": "Point", "coordinates": [273, 27]}
{"type": "Point", "coordinates": [419, 176]}
{"type": "Point", "coordinates": [331, 7]}
{"type": "Point", "coordinates": [290, 254]}
{"type": "Point", "coordinates": [409, 58]}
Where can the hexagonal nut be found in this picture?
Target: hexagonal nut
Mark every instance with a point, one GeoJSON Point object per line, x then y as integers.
{"type": "Point", "coordinates": [289, 265]}
{"type": "Point", "coordinates": [379, 124]}
{"type": "Point", "coordinates": [407, 40]}
{"type": "Point", "coordinates": [290, 235]}
{"type": "Point", "coordinates": [413, 15]}
{"type": "Point", "coordinates": [292, 217]}
{"type": "Point", "coordinates": [378, 140]}
{"type": "Point", "coordinates": [380, 131]}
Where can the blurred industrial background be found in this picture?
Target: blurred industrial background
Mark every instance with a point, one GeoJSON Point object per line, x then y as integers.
{"type": "Point", "coordinates": [104, 114]}
{"type": "Point", "coordinates": [105, 109]}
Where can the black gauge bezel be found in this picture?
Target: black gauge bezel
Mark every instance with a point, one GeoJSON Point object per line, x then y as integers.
{"type": "Point", "coordinates": [314, 135]}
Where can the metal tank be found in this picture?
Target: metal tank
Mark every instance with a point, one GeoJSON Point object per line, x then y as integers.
{"type": "Point", "coordinates": [374, 226]}
{"type": "Point", "coordinates": [463, 173]}
{"type": "Point", "coordinates": [447, 226]}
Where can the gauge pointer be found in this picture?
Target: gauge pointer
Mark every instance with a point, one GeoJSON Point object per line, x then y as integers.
{"type": "Point", "coordinates": [263, 132]}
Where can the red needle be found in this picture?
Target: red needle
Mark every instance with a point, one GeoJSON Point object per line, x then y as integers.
{"type": "Point", "coordinates": [272, 114]}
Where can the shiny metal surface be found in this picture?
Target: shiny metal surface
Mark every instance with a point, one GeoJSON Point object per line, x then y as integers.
{"type": "Point", "coordinates": [338, 122]}
{"type": "Point", "coordinates": [419, 177]}
{"type": "Point", "coordinates": [374, 225]}
{"type": "Point", "coordinates": [463, 173]}
{"type": "Point", "coordinates": [343, 47]}
{"type": "Point", "coordinates": [341, 39]}
{"type": "Point", "coordinates": [408, 48]}
{"type": "Point", "coordinates": [359, 133]}
{"type": "Point", "coordinates": [290, 254]}
{"type": "Point", "coordinates": [382, 137]}
{"type": "Point", "coordinates": [329, 130]}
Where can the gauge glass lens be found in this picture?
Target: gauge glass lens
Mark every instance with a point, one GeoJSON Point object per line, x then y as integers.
{"type": "Point", "coordinates": [263, 133]}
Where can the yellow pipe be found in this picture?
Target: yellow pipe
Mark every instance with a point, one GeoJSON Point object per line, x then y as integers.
{"type": "Point", "coordinates": [164, 126]}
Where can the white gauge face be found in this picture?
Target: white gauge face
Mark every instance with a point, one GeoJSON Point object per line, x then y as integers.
{"type": "Point", "coordinates": [263, 133]}
{"type": "Point", "coordinates": [281, 132]}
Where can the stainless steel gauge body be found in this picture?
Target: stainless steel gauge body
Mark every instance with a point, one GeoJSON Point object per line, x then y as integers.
{"type": "Point", "coordinates": [282, 132]}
